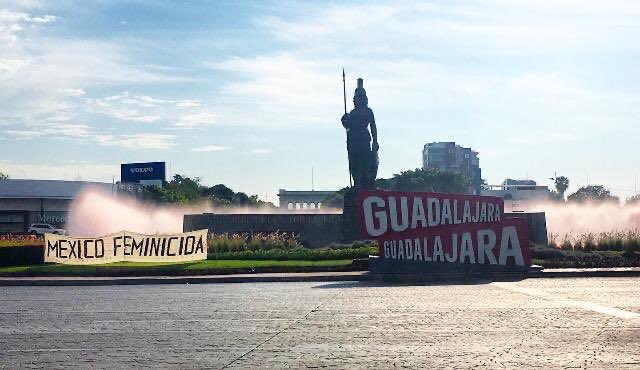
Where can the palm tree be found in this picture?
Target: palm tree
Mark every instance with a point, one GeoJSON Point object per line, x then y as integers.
{"type": "Point", "coordinates": [562, 184]}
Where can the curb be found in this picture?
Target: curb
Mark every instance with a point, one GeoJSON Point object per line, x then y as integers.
{"type": "Point", "coordinates": [202, 279]}
{"type": "Point", "coordinates": [295, 277]}
{"type": "Point", "coordinates": [586, 273]}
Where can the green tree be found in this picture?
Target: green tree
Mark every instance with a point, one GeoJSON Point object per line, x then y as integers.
{"type": "Point", "coordinates": [593, 193]}
{"type": "Point", "coordinates": [562, 184]}
{"type": "Point", "coordinates": [241, 199]}
{"type": "Point", "coordinates": [335, 200]}
{"type": "Point", "coordinates": [255, 202]}
{"type": "Point", "coordinates": [426, 180]}
{"type": "Point", "coordinates": [220, 192]}
{"type": "Point", "coordinates": [185, 190]}
{"type": "Point", "coordinates": [555, 196]}
{"type": "Point", "coordinates": [4, 176]}
{"type": "Point", "coordinates": [429, 179]}
{"type": "Point", "coordinates": [180, 189]}
{"type": "Point", "coordinates": [633, 200]}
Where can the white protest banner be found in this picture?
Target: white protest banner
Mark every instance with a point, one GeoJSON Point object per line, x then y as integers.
{"type": "Point", "coordinates": [126, 246]}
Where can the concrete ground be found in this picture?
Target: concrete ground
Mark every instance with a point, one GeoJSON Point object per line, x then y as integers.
{"type": "Point", "coordinates": [544, 323]}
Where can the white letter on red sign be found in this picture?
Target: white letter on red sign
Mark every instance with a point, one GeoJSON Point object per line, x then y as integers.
{"type": "Point", "coordinates": [485, 247]}
{"type": "Point", "coordinates": [510, 238]}
{"type": "Point", "coordinates": [466, 248]}
{"type": "Point", "coordinates": [418, 213]}
{"type": "Point", "coordinates": [393, 213]}
{"type": "Point", "coordinates": [381, 216]}
{"type": "Point", "coordinates": [433, 210]}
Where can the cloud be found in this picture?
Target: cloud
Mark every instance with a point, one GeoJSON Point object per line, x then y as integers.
{"type": "Point", "coordinates": [262, 151]}
{"type": "Point", "coordinates": [87, 171]}
{"type": "Point", "coordinates": [210, 148]}
{"type": "Point", "coordinates": [22, 4]}
{"type": "Point", "coordinates": [492, 27]}
{"type": "Point", "coordinates": [14, 22]}
{"type": "Point", "coordinates": [44, 19]}
{"type": "Point", "coordinates": [140, 141]}
{"type": "Point", "coordinates": [10, 66]}
{"type": "Point", "coordinates": [86, 134]}
{"type": "Point", "coordinates": [126, 114]}
{"type": "Point", "coordinates": [276, 89]}
{"type": "Point", "coordinates": [536, 78]}
{"type": "Point", "coordinates": [188, 104]}
{"type": "Point", "coordinates": [127, 108]}
{"type": "Point", "coordinates": [59, 130]}
{"type": "Point", "coordinates": [43, 76]}
{"type": "Point", "coordinates": [148, 109]}
{"type": "Point", "coordinates": [483, 73]}
{"type": "Point", "coordinates": [74, 92]}
{"type": "Point", "coordinates": [196, 119]}
{"type": "Point", "coordinates": [132, 115]}
{"type": "Point", "coordinates": [431, 60]}
{"type": "Point", "coordinates": [145, 101]}
{"type": "Point", "coordinates": [23, 134]}
{"type": "Point", "coordinates": [147, 141]}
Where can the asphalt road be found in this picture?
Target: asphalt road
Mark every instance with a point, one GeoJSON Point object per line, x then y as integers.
{"type": "Point", "coordinates": [547, 323]}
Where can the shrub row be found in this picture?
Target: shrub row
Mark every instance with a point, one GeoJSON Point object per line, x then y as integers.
{"type": "Point", "coordinates": [626, 240]}
{"type": "Point", "coordinates": [295, 254]}
{"type": "Point", "coordinates": [553, 257]}
{"type": "Point", "coordinates": [252, 242]}
{"type": "Point", "coordinates": [21, 255]}
{"type": "Point", "coordinates": [592, 260]}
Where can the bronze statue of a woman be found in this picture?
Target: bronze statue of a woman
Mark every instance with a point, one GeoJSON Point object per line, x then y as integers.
{"type": "Point", "coordinates": [363, 156]}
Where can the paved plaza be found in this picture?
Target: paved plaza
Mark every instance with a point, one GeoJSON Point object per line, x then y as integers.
{"type": "Point", "coordinates": [543, 323]}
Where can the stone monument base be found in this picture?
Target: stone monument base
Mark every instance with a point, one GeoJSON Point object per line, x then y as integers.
{"type": "Point", "coordinates": [350, 228]}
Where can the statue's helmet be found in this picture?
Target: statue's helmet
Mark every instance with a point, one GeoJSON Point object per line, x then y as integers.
{"type": "Point", "coordinates": [360, 94]}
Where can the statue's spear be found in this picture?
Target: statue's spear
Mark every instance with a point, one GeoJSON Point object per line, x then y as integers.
{"type": "Point", "coordinates": [344, 92]}
{"type": "Point", "coordinates": [344, 95]}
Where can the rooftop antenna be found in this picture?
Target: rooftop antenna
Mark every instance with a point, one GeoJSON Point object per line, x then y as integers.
{"type": "Point", "coordinates": [311, 178]}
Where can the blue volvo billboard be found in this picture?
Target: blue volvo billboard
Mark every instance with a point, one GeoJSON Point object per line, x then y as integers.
{"type": "Point", "coordinates": [142, 172]}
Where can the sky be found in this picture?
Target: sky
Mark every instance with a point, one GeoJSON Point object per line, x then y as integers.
{"type": "Point", "coordinates": [249, 93]}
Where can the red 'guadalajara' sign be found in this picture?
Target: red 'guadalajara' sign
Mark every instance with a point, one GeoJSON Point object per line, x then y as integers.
{"type": "Point", "coordinates": [447, 228]}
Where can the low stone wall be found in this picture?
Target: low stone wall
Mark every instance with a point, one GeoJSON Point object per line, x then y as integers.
{"type": "Point", "coordinates": [537, 225]}
{"type": "Point", "coordinates": [314, 230]}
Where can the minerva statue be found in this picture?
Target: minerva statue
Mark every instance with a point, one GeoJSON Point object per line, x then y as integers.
{"type": "Point", "coordinates": [363, 155]}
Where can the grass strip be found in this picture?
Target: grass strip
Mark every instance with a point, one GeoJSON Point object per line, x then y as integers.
{"type": "Point", "coordinates": [182, 268]}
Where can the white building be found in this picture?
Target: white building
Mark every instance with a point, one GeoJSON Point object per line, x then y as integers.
{"type": "Point", "coordinates": [306, 199]}
{"type": "Point", "coordinates": [518, 193]}
{"type": "Point", "coordinates": [25, 202]}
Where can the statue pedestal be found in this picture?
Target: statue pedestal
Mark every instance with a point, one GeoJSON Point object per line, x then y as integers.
{"type": "Point", "coordinates": [350, 227]}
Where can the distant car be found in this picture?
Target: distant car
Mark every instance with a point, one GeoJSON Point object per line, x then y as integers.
{"type": "Point", "coordinates": [41, 229]}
